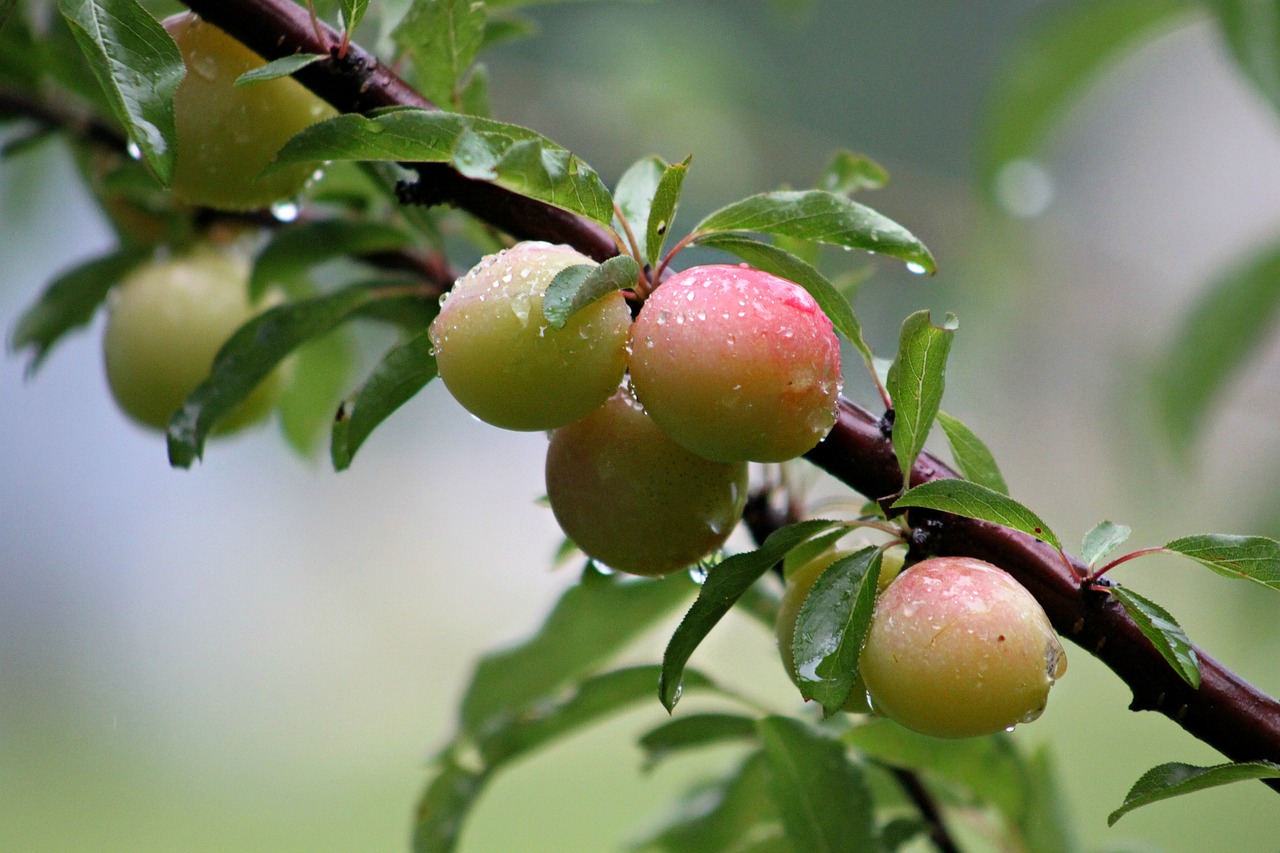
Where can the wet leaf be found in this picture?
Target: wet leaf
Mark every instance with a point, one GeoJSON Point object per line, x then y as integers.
{"type": "Point", "coordinates": [1104, 538]}
{"type": "Point", "coordinates": [282, 67]}
{"type": "Point", "coordinates": [1174, 779]}
{"type": "Point", "coordinates": [577, 286]}
{"type": "Point", "coordinates": [916, 383]}
{"type": "Point", "coordinates": [1164, 632]}
{"type": "Point", "coordinates": [1254, 558]}
{"type": "Point", "coordinates": [971, 455]}
{"type": "Point", "coordinates": [666, 199]}
{"type": "Point", "coordinates": [961, 497]}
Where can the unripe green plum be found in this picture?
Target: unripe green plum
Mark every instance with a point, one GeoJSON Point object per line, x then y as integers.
{"type": "Point", "coordinates": [166, 321]}
{"type": "Point", "coordinates": [500, 358]}
{"type": "Point", "coordinates": [799, 584]}
{"type": "Point", "coordinates": [632, 498]}
{"type": "Point", "coordinates": [227, 134]}
{"type": "Point", "coordinates": [736, 364]}
{"type": "Point", "coordinates": [958, 648]}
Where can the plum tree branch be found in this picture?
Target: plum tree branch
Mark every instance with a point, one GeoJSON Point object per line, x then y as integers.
{"type": "Point", "coordinates": [1225, 712]}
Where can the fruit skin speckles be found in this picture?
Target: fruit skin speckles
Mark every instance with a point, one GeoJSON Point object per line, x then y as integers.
{"type": "Point", "coordinates": [737, 364]}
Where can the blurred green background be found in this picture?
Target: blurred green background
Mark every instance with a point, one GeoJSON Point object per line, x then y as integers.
{"type": "Point", "coordinates": [259, 655]}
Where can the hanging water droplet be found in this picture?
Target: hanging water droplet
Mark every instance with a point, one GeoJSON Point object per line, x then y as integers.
{"type": "Point", "coordinates": [284, 211]}
{"type": "Point", "coordinates": [134, 151]}
{"type": "Point", "coordinates": [698, 574]}
{"type": "Point", "coordinates": [915, 268]}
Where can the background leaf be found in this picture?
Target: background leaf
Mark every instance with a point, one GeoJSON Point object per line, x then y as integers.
{"type": "Point", "coordinates": [916, 383]}
{"type": "Point", "coordinates": [138, 66]}
{"type": "Point", "coordinates": [666, 198]}
{"type": "Point", "coordinates": [1174, 779]}
{"type": "Point", "coordinates": [971, 455]}
{"type": "Point", "coordinates": [444, 806]}
{"type": "Point", "coordinates": [1104, 538]}
{"type": "Point", "coordinates": [297, 248]}
{"type": "Point", "coordinates": [318, 374]}
{"type": "Point", "coordinates": [512, 157]}
{"type": "Point", "coordinates": [848, 173]}
{"type": "Point", "coordinates": [1254, 558]}
{"type": "Point", "coordinates": [634, 197]}
{"type": "Point", "coordinates": [821, 795]}
{"type": "Point", "coordinates": [69, 302]}
{"type": "Point", "coordinates": [961, 497]}
{"type": "Point", "coordinates": [404, 371]}
{"type": "Point", "coordinates": [823, 217]}
{"type": "Point", "coordinates": [443, 38]}
{"type": "Point", "coordinates": [725, 583]}
{"type": "Point", "coordinates": [1164, 632]}
{"type": "Point", "coordinates": [696, 730]}
{"type": "Point", "coordinates": [1228, 325]}
{"type": "Point", "coordinates": [1252, 31]}
{"type": "Point", "coordinates": [577, 286]}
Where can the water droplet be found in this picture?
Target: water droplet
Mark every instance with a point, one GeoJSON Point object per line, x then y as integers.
{"type": "Point", "coordinates": [1024, 188]}
{"type": "Point", "coordinates": [284, 211]}
{"type": "Point", "coordinates": [134, 151]}
{"type": "Point", "coordinates": [520, 307]}
{"type": "Point", "coordinates": [698, 574]}
{"type": "Point", "coordinates": [915, 268]}
{"type": "Point", "coordinates": [662, 318]}
{"type": "Point", "coordinates": [1010, 728]}
{"type": "Point", "coordinates": [205, 66]}
{"type": "Point", "coordinates": [372, 127]}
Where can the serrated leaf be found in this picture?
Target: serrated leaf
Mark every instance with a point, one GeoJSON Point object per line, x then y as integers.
{"type": "Point", "coordinates": [510, 156]}
{"type": "Point", "coordinates": [1174, 779]}
{"type": "Point", "coordinates": [916, 383]}
{"type": "Point", "coordinates": [774, 260]}
{"type": "Point", "coordinates": [823, 217]}
{"type": "Point", "coordinates": [138, 66]}
{"type": "Point", "coordinates": [662, 212]}
{"type": "Point", "coordinates": [318, 374]}
{"type": "Point", "coordinates": [803, 553]}
{"type": "Point", "coordinates": [971, 455]}
{"type": "Point", "coordinates": [725, 583]}
{"type": "Point", "coordinates": [444, 806]}
{"type": "Point", "coordinates": [577, 286]}
{"type": "Point", "coordinates": [1229, 323]}
{"type": "Point", "coordinates": [443, 37]}
{"type": "Point", "coordinates": [1104, 538]}
{"type": "Point", "coordinates": [961, 497]}
{"type": "Point", "coordinates": [848, 173]}
{"type": "Point", "coordinates": [1055, 64]}
{"type": "Point", "coordinates": [353, 13]}
{"type": "Point", "coordinates": [608, 609]}
{"type": "Point", "coordinates": [1164, 632]}
{"type": "Point", "coordinates": [720, 816]}
{"type": "Point", "coordinates": [404, 371]}
{"type": "Point", "coordinates": [694, 731]}
{"type": "Point", "coordinates": [69, 302]}
{"type": "Point", "coordinates": [282, 67]}
{"type": "Point", "coordinates": [822, 795]}
{"type": "Point", "coordinates": [1253, 558]}
{"type": "Point", "coordinates": [1251, 28]}
{"type": "Point", "coordinates": [299, 247]}
{"type": "Point", "coordinates": [254, 351]}
{"type": "Point", "coordinates": [831, 628]}
{"type": "Point", "coordinates": [634, 197]}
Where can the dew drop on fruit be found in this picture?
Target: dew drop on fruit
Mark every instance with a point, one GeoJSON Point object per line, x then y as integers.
{"type": "Point", "coordinates": [520, 307]}
{"type": "Point", "coordinates": [205, 66]}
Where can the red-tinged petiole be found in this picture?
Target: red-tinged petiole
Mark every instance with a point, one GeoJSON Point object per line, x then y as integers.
{"type": "Point", "coordinates": [1126, 558]}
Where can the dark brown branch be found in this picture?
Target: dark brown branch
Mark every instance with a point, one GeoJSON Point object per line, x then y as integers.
{"type": "Point", "coordinates": [1226, 712]}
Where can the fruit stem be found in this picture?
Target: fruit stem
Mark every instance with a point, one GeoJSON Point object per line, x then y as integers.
{"type": "Point", "coordinates": [675, 250]}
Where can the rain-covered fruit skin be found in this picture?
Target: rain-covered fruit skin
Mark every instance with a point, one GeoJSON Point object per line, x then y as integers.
{"type": "Point", "coordinates": [165, 323]}
{"type": "Point", "coordinates": [500, 358]}
{"type": "Point", "coordinates": [632, 498]}
{"type": "Point", "coordinates": [736, 364]}
{"type": "Point", "coordinates": [227, 134]}
{"type": "Point", "coordinates": [799, 584]}
{"type": "Point", "coordinates": [958, 648]}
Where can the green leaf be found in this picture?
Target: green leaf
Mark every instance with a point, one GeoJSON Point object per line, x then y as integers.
{"type": "Point", "coordinates": [1055, 65]}
{"type": "Point", "coordinates": [634, 197]}
{"type": "Point", "coordinates": [473, 97]}
{"type": "Point", "coordinates": [694, 731]}
{"type": "Point", "coordinates": [849, 173]}
{"type": "Point", "coordinates": [961, 497]}
{"type": "Point", "coordinates": [823, 217]}
{"type": "Point", "coordinates": [577, 286]}
{"type": "Point", "coordinates": [990, 767]}
{"type": "Point", "coordinates": [138, 66]}
{"type": "Point", "coordinates": [774, 260]}
{"type": "Point", "coordinates": [822, 795]}
{"type": "Point", "coordinates": [916, 382]}
{"type": "Point", "coordinates": [1174, 779]}
{"type": "Point", "coordinates": [592, 621]}
{"type": "Point", "coordinates": [593, 699]}
{"type": "Point", "coordinates": [300, 247]}
{"type": "Point", "coordinates": [1163, 631]}
{"type": "Point", "coordinates": [726, 583]}
{"type": "Point", "coordinates": [1228, 325]}
{"type": "Point", "coordinates": [662, 212]}
{"type": "Point", "coordinates": [1047, 826]}
{"type": "Point", "coordinates": [352, 12]}
{"type": "Point", "coordinates": [1253, 558]}
{"type": "Point", "coordinates": [282, 67]}
{"type": "Point", "coordinates": [1252, 31]}
{"type": "Point", "coordinates": [70, 301]}
{"type": "Point", "coordinates": [971, 455]}
{"type": "Point", "coordinates": [254, 351]}
{"type": "Point", "coordinates": [831, 628]}
{"type": "Point", "coordinates": [803, 553]}
{"type": "Point", "coordinates": [505, 29]}
{"type": "Point", "coordinates": [720, 816]}
{"type": "Point", "coordinates": [1104, 538]}
{"type": "Point", "coordinates": [403, 372]}
{"type": "Point", "coordinates": [444, 806]}
{"type": "Point", "coordinates": [510, 156]}
{"type": "Point", "coordinates": [318, 374]}
{"type": "Point", "coordinates": [443, 37]}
